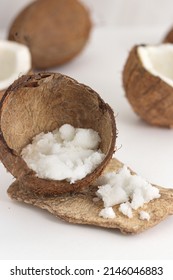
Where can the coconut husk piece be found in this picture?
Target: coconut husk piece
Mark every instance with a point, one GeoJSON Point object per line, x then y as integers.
{"type": "Point", "coordinates": [43, 102]}
{"type": "Point", "coordinates": [150, 97]}
{"type": "Point", "coordinates": [79, 208]}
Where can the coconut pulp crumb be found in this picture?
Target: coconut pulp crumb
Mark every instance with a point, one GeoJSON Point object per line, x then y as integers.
{"type": "Point", "coordinates": [126, 209]}
{"type": "Point", "coordinates": [66, 153]}
{"type": "Point", "coordinates": [130, 191]}
{"type": "Point", "coordinates": [107, 213]}
{"type": "Point", "coordinates": [143, 215]}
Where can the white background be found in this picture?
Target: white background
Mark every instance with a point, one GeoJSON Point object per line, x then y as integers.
{"type": "Point", "coordinates": [30, 233]}
{"type": "Point", "coordinates": [111, 12]}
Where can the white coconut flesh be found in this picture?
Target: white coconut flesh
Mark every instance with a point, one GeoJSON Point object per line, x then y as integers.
{"type": "Point", "coordinates": [15, 60]}
{"type": "Point", "coordinates": [158, 60]}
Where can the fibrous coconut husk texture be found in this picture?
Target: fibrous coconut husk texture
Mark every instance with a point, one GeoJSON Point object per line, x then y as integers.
{"type": "Point", "coordinates": [79, 208]}
{"type": "Point", "coordinates": [150, 97]}
{"type": "Point", "coordinates": [43, 102]}
{"type": "Point", "coordinates": [55, 31]}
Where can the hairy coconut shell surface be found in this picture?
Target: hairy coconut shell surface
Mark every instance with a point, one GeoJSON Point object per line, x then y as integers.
{"type": "Point", "coordinates": [54, 30]}
{"type": "Point", "coordinates": [41, 103]}
{"type": "Point", "coordinates": [149, 95]}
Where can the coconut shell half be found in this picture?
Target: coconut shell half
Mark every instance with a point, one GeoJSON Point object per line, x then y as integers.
{"type": "Point", "coordinates": [80, 208]}
{"type": "Point", "coordinates": [1, 94]}
{"type": "Point", "coordinates": [43, 102]}
{"type": "Point", "coordinates": [55, 31]}
{"type": "Point", "coordinates": [150, 97]}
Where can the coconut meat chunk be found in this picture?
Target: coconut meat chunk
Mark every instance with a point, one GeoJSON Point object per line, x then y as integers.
{"type": "Point", "coordinates": [158, 60]}
{"type": "Point", "coordinates": [67, 153]}
{"type": "Point", "coordinates": [15, 60]}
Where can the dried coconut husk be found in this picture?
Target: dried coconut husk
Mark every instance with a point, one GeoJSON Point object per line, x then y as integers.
{"type": "Point", "coordinates": [43, 102]}
{"type": "Point", "coordinates": [150, 97]}
{"type": "Point", "coordinates": [55, 31]}
{"type": "Point", "coordinates": [79, 208]}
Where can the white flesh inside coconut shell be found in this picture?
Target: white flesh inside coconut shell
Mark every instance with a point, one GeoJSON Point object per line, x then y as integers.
{"type": "Point", "coordinates": [158, 60]}
{"type": "Point", "coordinates": [15, 60]}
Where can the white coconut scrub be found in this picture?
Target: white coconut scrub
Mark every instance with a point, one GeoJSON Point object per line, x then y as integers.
{"type": "Point", "coordinates": [107, 213]}
{"type": "Point", "coordinates": [144, 215]}
{"type": "Point", "coordinates": [127, 190]}
{"type": "Point", "coordinates": [66, 153]}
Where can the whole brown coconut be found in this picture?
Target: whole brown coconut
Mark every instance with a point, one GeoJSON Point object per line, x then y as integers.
{"type": "Point", "coordinates": [41, 103]}
{"type": "Point", "coordinates": [150, 96]}
{"type": "Point", "coordinates": [54, 30]}
{"type": "Point", "coordinates": [169, 36]}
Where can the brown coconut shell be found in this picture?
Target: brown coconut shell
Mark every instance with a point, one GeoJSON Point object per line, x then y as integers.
{"type": "Point", "coordinates": [80, 208]}
{"type": "Point", "coordinates": [43, 102]}
{"type": "Point", "coordinates": [150, 97]}
{"type": "Point", "coordinates": [1, 94]}
{"type": "Point", "coordinates": [55, 31]}
{"type": "Point", "coordinates": [169, 36]}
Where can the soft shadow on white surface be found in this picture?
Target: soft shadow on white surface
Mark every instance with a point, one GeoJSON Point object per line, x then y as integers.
{"type": "Point", "coordinates": [29, 233]}
{"type": "Point", "coordinates": [34, 234]}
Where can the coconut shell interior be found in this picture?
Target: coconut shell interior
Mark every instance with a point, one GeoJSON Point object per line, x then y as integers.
{"type": "Point", "coordinates": [79, 208]}
{"type": "Point", "coordinates": [41, 103]}
{"type": "Point", "coordinates": [150, 97]}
